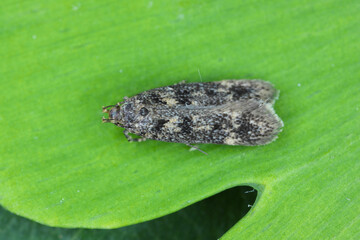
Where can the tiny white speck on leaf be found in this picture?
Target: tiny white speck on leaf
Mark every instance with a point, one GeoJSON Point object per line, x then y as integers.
{"type": "Point", "coordinates": [299, 84]}
{"type": "Point", "coordinates": [181, 16]}
{"type": "Point", "coordinates": [150, 4]}
{"type": "Point", "coordinates": [34, 36]}
{"type": "Point", "coordinates": [78, 191]}
{"type": "Point", "coordinates": [76, 7]}
{"type": "Point", "coordinates": [120, 71]}
{"type": "Point", "coordinates": [348, 199]}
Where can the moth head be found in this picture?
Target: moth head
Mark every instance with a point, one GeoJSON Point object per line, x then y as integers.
{"type": "Point", "coordinates": [126, 115]}
{"type": "Point", "coordinates": [114, 114]}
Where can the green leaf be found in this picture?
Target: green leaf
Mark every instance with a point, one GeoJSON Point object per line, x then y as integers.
{"type": "Point", "coordinates": [61, 61]}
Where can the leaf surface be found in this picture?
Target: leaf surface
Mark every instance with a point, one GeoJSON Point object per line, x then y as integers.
{"type": "Point", "coordinates": [63, 60]}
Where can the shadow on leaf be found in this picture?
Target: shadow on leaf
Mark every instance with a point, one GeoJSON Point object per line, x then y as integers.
{"type": "Point", "coordinates": [207, 219]}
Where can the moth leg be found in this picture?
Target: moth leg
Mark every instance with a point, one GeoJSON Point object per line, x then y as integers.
{"type": "Point", "coordinates": [124, 100]}
{"type": "Point", "coordinates": [196, 148]}
{"type": "Point", "coordinates": [131, 139]}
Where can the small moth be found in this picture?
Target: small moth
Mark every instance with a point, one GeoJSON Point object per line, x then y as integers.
{"type": "Point", "coordinates": [231, 112]}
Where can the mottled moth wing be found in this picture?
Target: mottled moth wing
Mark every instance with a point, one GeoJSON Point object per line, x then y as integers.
{"type": "Point", "coordinates": [232, 112]}
{"type": "Point", "coordinates": [245, 122]}
{"type": "Point", "coordinates": [209, 93]}
{"type": "Point", "coordinates": [253, 123]}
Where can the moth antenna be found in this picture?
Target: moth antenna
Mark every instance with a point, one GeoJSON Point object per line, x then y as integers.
{"type": "Point", "coordinates": [195, 147]}
{"type": "Point", "coordinates": [107, 120]}
{"type": "Point", "coordinates": [106, 110]}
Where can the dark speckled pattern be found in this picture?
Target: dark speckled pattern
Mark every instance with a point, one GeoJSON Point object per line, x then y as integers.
{"type": "Point", "coordinates": [232, 112]}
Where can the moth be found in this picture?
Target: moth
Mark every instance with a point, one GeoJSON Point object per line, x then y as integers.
{"type": "Point", "coordinates": [231, 112]}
